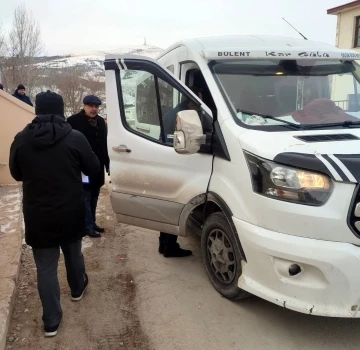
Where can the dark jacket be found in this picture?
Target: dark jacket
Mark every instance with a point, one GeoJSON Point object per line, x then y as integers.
{"type": "Point", "coordinates": [23, 98]}
{"type": "Point", "coordinates": [48, 157]}
{"type": "Point", "coordinates": [97, 138]}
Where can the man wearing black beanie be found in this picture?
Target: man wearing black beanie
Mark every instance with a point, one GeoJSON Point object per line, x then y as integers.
{"type": "Point", "coordinates": [20, 94]}
{"type": "Point", "coordinates": [49, 157]}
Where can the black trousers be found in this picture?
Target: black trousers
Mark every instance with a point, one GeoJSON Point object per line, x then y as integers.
{"type": "Point", "coordinates": [46, 261]}
{"type": "Point", "coordinates": [91, 200]}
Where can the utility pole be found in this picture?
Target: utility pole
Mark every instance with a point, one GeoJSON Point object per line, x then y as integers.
{"type": "Point", "coordinates": [145, 41]}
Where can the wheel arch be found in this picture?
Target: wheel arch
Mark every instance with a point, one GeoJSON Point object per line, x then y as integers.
{"type": "Point", "coordinates": [208, 204]}
{"type": "Point", "coordinates": [214, 203]}
{"type": "Point", "coordinates": [194, 203]}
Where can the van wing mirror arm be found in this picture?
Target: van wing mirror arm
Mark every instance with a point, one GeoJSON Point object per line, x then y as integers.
{"type": "Point", "coordinates": [207, 146]}
{"type": "Point", "coordinates": [209, 136]}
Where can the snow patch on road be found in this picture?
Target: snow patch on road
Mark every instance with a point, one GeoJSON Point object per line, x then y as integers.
{"type": "Point", "coordinates": [86, 243]}
{"type": "Point", "coordinates": [10, 209]}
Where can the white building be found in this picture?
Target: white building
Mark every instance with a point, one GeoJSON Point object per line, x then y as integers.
{"type": "Point", "coordinates": [348, 25]}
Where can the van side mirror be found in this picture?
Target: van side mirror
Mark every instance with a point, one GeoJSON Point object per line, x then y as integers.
{"type": "Point", "coordinates": [189, 135]}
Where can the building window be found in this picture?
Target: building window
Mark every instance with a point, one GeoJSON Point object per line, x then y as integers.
{"type": "Point", "coordinates": [357, 32]}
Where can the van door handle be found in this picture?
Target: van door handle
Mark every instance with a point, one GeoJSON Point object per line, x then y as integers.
{"type": "Point", "coordinates": [121, 148]}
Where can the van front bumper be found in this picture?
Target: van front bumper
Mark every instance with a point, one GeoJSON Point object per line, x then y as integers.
{"type": "Point", "coordinates": [329, 281]}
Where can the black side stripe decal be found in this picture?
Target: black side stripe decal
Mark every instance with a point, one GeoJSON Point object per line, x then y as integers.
{"type": "Point", "coordinates": [352, 163]}
{"type": "Point", "coordinates": [336, 167]}
{"type": "Point", "coordinates": [119, 64]}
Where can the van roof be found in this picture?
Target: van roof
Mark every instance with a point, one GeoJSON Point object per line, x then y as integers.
{"type": "Point", "coordinates": [208, 46]}
{"type": "Point", "coordinates": [257, 46]}
{"type": "Point", "coordinates": [250, 41]}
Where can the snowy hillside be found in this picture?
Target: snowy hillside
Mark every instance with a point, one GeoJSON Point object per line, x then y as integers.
{"type": "Point", "coordinates": [78, 74]}
{"type": "Point", "coordinates": [93, 62]}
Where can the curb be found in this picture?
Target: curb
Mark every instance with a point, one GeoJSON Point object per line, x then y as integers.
{"type": "Point", "coordinates": [11, 235]}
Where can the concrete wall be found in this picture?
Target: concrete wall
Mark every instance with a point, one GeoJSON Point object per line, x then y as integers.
{"type": "Point", "coordinates": [345, 35]}
{"type": "Point", "coordinates": [14, 116]}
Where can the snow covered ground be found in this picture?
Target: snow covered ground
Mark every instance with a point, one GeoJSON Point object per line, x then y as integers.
{"type": "Point", "coordinates": [95, 59]}
{"type": "Point", "coordinates": [10, 209]}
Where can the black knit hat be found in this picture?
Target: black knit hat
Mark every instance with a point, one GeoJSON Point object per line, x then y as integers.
{"type": "Point", "coordinates": [49, 103]}
{"type": "Point", "coordinates": [21, 87]}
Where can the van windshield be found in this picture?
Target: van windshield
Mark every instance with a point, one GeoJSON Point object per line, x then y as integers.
{"type": "Point", "coordinates": [290, 93]}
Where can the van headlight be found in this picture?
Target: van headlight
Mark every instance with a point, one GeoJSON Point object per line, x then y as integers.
{"type": "Point", "coordinates": [288, 184]}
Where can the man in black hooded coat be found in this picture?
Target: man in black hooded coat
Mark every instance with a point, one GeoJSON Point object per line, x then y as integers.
{"type": "Point", "coordinates": [48, 157]}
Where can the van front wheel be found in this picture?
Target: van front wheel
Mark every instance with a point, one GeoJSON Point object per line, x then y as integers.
{"type": "Point", "coordinates": [221, 256]}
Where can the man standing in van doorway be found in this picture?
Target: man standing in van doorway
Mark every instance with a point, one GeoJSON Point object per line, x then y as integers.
{"type": "Point", "coordinates": [168, 245]}
{"type": "Point", "coordinates": [170, 118]}
{"type": "Point", "coordinates": [93, 127]}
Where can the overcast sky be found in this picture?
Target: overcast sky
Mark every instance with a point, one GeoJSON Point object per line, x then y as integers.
{"type": "Point", "coordinates": [69, 26]}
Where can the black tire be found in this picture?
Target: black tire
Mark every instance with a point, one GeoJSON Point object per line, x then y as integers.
{"type": "Point", "coordinates": [218, 242]}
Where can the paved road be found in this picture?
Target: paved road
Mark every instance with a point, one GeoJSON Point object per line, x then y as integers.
{"type": "Point", "coordinates": [179, 309]}
{"type": "Point", "coordinates": [139, 300]}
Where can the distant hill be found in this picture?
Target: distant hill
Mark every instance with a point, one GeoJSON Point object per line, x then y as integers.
{"type": "Point", "coordinates": [77, 74]}
{"type": "Point", "coordinates": [93, 62]}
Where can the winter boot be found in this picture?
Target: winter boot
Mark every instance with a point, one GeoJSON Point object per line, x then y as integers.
{"type": "Point", "coordinates": [162, 240]}
{"type": "Point", "coordinates": [172, 248]}
{"type": "Point", "coordinates": [99, 228]}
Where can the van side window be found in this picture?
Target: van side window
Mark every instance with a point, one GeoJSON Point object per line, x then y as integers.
{"type": "Point", "coordinates": [194, 77]}
{"type": "Point", "coordinates": [148, 105]}
{"type": "Point", "coordinates": [166, 97]}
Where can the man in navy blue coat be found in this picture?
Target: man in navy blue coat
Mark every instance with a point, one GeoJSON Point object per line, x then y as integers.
{"type": "Point", "coordinates": [20, 94]}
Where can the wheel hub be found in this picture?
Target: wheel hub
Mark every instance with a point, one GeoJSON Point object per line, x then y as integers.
{"type": "Point", "coordinates": [221, 256]}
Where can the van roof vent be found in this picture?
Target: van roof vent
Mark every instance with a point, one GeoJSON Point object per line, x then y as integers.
{"type": "Point", "coordinates": [327, 138]}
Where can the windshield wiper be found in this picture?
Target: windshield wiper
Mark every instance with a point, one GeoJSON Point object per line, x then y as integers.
{"type": "Point", "coordinates": [265, 116]}
{"type": "Point", "coordinates": [345, 124]}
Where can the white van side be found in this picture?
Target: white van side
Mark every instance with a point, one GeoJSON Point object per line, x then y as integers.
{"type": "Point", "coordinates": [274, 189]}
